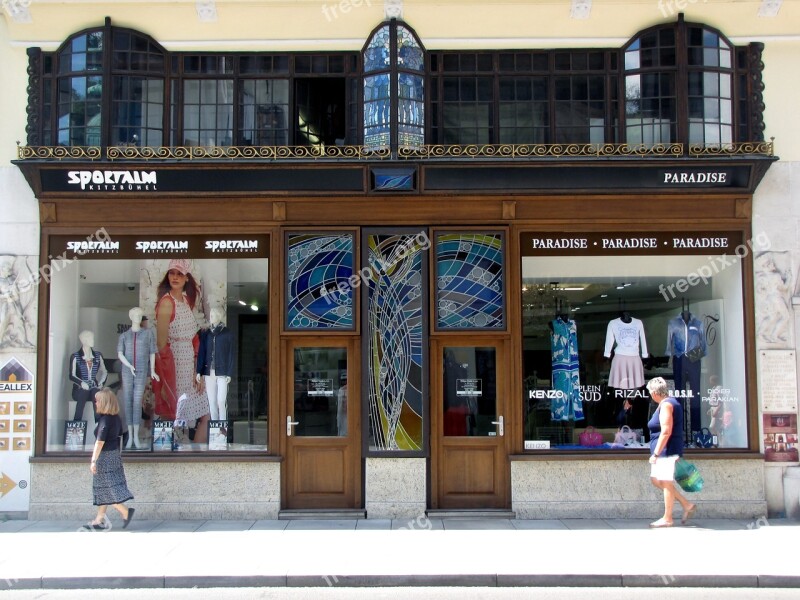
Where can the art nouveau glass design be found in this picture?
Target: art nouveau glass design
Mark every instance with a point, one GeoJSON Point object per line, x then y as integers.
{"type": "Point", "coordinates": [377, 111]}
{"type": "Point", "coordinates": [469, 281]}
{"type": "Point", "coordinates": [394, 358]}
{"type": "Point", "coordinates": [318, 295]}
{"type": "Point", "coordinates": [376, 56]}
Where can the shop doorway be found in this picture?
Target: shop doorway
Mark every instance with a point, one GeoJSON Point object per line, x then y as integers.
{"type": "Point", "coordinates": [322, 458]}
{"type": "Point", "coordinates": [469, 448]}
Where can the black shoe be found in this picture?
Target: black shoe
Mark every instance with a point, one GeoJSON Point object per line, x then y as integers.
{"type": "Point", "coordinates": [130, 516]}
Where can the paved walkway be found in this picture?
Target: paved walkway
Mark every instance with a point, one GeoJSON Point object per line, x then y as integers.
{"type": "Point", "coordinates": [440, 552]}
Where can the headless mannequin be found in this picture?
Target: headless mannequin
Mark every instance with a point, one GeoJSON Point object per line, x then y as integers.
{"type": "Point", "coordinates": [87, 373]}
{"type": "Point", "coordinates": [625, 316]}
{"type": "Point", "coordinates": [214, 364]}
{"type": "Point", "coordinates": [136, 348]}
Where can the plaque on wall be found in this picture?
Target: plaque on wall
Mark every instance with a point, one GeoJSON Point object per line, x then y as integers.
{"type": "Point", "coordinates": [777, 373]}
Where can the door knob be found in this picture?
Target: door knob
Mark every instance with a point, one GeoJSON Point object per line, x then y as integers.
{"type": "Point", "coordinates": [499, 424]}
{"type": "Point", "coordinates": [289, 424]}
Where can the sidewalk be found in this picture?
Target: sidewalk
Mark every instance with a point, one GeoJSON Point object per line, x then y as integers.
{"type": "Point", "coordinates": [436, 552]}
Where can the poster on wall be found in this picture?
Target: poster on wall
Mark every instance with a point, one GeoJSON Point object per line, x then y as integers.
{"type": "Point", "coordinates": [16, 435]}
{"type": "Point", "coordinates": [780, 437]}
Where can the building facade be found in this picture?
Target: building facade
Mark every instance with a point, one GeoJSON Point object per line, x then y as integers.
{"type": "Point", "coordinates": [428, 256]}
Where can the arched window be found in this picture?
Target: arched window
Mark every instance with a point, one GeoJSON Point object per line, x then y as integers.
{"type": "Point", "coordinates": [394, 90]}
{"type": "Point", "coordinates": [679, 86]}
{"type": "Point", "coordinates": [108, 71]}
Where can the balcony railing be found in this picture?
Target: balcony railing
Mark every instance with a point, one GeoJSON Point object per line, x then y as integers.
{"type": "Point", "coordinates": [521, 152]}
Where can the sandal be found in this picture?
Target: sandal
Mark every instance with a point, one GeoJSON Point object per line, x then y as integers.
{"type": "Point", "coordinates": [660, 523]}
{"type": "Point", "coordinates": [130, 516]}
{"type": "Point", "coordinates": [687, 514]}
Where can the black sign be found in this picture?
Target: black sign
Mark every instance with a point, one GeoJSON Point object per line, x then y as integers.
{"type": "Point", "coordinates": [631, 243]}
{"type": "Point", "coordinates": [104, 245]}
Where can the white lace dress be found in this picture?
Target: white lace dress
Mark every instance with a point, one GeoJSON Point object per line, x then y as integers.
{"type": "Point", "coordinates": [181, 331]}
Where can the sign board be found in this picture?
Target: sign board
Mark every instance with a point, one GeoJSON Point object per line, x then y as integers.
{"type": "Point", "coordinates": [777, 374]}
{"type": "Point", "coordinates": [16, 435]}
{"type": "Point", "coordinates": [469, 387]}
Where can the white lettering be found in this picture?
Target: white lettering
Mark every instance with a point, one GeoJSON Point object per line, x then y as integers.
{"type": "Point", "coordinates": [108, 180]}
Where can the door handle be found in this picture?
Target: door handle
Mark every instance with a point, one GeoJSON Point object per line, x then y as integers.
{"type": "Point", "coordinates": [499, 424]}
{"type": "Point", "coordinates": [289, 424]}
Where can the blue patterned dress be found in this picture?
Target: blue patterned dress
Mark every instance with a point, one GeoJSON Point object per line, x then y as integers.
{"type": "Point", "coordinates": [564, 347]}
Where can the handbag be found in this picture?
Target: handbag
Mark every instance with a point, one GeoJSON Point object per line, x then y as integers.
{"type": "Point", "coordinates": [626, 436]}
{"type": "Point", "coordinates": [590, 437]}
{"type": "Point", "coordinates": [694, 354]}
{"type": "Point", "coordinates": [704, 438]}
{"type": "Point", "coordinates": [687, 476]}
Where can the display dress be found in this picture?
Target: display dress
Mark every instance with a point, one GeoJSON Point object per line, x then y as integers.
{"type": "Point", "coordinates": [182, 330]}
{"type": "Point", "coordinates": [564, 347]}
{"type": "Point", "coordinates": [136, 347]}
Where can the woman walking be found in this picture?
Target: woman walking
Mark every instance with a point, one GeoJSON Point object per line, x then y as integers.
{"type": "Point", "coordinates": [666, 445]}
{"type": "Point", "coordinates": [108, 483]}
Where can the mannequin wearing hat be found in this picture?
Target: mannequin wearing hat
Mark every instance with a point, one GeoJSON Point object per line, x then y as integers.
{"type": "Point", "coordinates": [176, 328]}
{"type": "Point", "coordinates": [87, 374]}
{"type": "Point", "coordinates": [215, 363]}
{"type": "Point", "coordinates": [136, 350]}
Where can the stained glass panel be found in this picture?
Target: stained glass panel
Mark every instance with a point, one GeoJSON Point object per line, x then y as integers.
{"type": "Point", "coordinates": [409, 53]}
{"type": "Point", "coordinates": [376, 56]}
{"type": "Point", "coordinates": [395, 369]}
{"type": "Point", "coordinates": [469, 280]}
{"type": "Point", "coordinates": [377, 111]}
{"type": "Point", "coordinates": [318, 295]}
{"type": "Point", "coordinates": [411, 109]}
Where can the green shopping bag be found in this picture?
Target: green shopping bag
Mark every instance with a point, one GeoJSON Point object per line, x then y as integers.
{"type": "Point", "coordinates": [687, 476]}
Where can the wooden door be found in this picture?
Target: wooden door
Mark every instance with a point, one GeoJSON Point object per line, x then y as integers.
{"type": "Point", "coordinates": [469, 387]}
{"type": "Point", "coordinates": [321, 425]}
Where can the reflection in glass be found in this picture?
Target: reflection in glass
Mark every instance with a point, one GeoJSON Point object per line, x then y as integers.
{"type": "Point", "coordinates": [470, 391]}
{"type": "Point", "coordinates": [320, 392]}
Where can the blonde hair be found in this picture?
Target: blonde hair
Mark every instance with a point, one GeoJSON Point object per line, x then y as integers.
{"type": "Point", "coordinates": [107, 403]}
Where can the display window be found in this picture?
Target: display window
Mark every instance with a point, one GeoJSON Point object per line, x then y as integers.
{"type": "Point", "coordinates": [604, 313]}
{"type": "Point", "coordinates": [176, 327]}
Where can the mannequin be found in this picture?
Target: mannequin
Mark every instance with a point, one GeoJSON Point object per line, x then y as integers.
{"type": "Point", "coordinates": [136, 350]}
{"type": "Point", "coordinates": [87, 373]}
{"type": "Point", "coordinates": [627, 370]}
{"type": "Point", "coordinates": [215, 363]}
{"type": "Point", "coordinates": [686, 344]}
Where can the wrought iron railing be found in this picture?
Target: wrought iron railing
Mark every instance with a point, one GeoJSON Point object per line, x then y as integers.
{"type": "Point", "coordinates": [425, 152]}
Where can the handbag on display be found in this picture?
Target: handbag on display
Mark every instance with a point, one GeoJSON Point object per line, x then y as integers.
{"type": "Point", "coordinates": [590, 437]}
{"type": "Point", "coordinates": [687, 476]}
{"type": "Point", "coordinates": [704, 438]}
{"type": "Point", "coordinates": [694, 354]}
{"type": "Point", "coordinates": [626, 436]}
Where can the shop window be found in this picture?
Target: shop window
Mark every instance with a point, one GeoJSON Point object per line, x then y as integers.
{"type": "Point", "coordinates": [597, 325]}
{"type": "Point", "coordinates": [469, 281]}
{"type": "Point", "coordinates": [215, 397]}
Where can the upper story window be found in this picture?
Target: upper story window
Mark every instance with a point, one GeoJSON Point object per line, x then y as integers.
{"type": "Point", "coordinates": [681, 86]}
{"type": "Point", "coordinates": [99, 72]}
{"type": "Point", "coordinates": [394, 88]}
{"type": "Point", "coordinates": [518, 97]}
{"type": "Point", "coordinates": [680, 82]}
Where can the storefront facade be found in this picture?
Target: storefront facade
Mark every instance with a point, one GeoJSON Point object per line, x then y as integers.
{"type": "Point", "coordinates": [418, 264]}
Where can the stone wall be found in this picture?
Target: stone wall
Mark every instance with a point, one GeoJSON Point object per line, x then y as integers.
{"type": "Point", "coordinates": [186, 490]}
{"type": "Point", "coordinates": [608, 489]}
